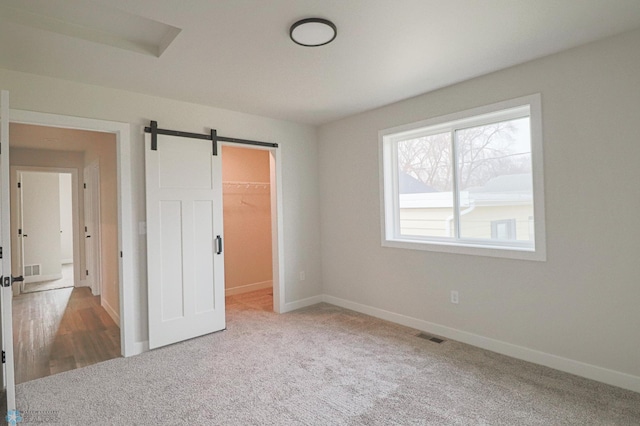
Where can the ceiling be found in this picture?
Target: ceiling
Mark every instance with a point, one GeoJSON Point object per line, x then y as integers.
{"type": "Point", "coordinates": [237, 54]}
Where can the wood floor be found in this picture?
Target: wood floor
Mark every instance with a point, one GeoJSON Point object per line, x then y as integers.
{"type": "Point", "coordinates": [60, 330]}
{"type": "Point", "coordinates": [261, 300]}
{"type": "Point", "coordinates": [64, 329]}
{"type": "Point", "coordinates": [65, 281]}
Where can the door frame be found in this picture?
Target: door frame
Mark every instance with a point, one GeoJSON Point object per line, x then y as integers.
{"type": "Point", "coordinates": [16, 211]}
{"type": "Point", "coordinates": [127, 284]}
{"type": "Point", "coordinates": [277, 221]}
{"type": "Point", "coordinates": [93, 171]}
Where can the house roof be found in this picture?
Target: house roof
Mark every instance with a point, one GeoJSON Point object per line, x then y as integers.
{"type": "Point", "coordinates": [506, 183]}
{"type": "Point", "coordinates": [409, 185]}
{"type": "Point", "coordinates": [506, 190]}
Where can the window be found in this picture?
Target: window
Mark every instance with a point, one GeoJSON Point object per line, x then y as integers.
{"type": "Point", "coordinates": [503, 229]}
{"type": "Point", "coordinates": [469, 182]}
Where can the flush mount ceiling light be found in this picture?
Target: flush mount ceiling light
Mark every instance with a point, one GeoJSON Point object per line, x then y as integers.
{"type": "Point", "coordinates": [312, 32]}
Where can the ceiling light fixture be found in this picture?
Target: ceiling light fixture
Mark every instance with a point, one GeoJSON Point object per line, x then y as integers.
{"type": "Point", "coordinates": [313, 32]}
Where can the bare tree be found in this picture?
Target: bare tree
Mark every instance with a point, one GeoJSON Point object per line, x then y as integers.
{"type": "Point", "coordinates": [483, 153]}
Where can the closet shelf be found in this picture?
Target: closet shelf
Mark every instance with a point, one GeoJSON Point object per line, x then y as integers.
{"type": "Point", "coordinates": [239, 187]}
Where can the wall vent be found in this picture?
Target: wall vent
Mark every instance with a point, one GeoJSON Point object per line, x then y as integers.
{"type": "Point", "coordinates": [31, 270]}
{"type": "Point", "coordinates": [430, 338]}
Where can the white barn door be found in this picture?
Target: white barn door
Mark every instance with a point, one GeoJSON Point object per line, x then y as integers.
{"type": "Point", "coordinates": [184, 240]}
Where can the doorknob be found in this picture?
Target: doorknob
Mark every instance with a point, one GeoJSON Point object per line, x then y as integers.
{"type": "Point", "coordinates": [7, 281]}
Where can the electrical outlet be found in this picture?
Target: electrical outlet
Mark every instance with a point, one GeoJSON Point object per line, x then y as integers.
{"type": "Point", "coordinates": [302, 276]}
{"type": "Point", "coordinates": [454, 297]}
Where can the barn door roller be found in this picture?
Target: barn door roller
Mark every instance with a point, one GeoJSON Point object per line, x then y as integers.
{"type": "Point", "coordinates": [212, 136]}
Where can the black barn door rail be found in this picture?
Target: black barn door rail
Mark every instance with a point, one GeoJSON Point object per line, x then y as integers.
{"type": "Point", "coordinates": [213, 137]}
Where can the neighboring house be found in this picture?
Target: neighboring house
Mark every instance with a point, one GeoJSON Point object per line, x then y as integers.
{"type": "Point", "coordinates": [501, 209]}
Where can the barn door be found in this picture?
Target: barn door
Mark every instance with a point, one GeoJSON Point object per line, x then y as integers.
{"type": "Point", "coordinates": [6, 330]}
{"type": "Point", "coordinates": [184, 239]}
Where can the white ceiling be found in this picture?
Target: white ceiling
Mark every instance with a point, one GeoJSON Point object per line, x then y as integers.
{"type": "Point", "coordinates": [236, 54]}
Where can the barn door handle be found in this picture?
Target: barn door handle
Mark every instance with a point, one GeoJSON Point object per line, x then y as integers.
{"type": "Point", "coordinates": [218, 244]}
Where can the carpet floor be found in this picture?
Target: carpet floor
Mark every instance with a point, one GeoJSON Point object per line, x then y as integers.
{"type": "Point", "coordinates": [321, 365]}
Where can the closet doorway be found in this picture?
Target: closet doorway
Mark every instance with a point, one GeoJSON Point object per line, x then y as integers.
{"type": "Point", "coordinates": [248, 212]}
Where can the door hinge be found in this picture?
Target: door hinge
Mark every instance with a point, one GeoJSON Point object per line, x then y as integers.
{"type": "Point", "coordinates": [87, 272]}
{"type": "Point", "coordinates": [85, 186]}
{"type": "Point", "coordinates": [19, 185]}
{"type": "Point", "coordinates": [0, 252]}
{"type": "Point", "coordinates": [4, 357]}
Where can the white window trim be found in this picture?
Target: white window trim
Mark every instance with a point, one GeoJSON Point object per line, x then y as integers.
{"type": "Point", "coordinates": [389, 187]}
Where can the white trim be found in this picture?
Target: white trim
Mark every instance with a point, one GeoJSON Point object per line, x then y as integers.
{"type": "Point", "coordinates": [112, 312]}
{"type": "Point", "coordinates": [41, 278]}
{"type": "Point", "coordinates": [277, 230]}
{"type": "Point", "coordinates": [302, 303]}
{"type": "Point", "coordinates": [7, 371]}
{"type": "Point", "coordinates": [127, 282]}
{"type": "Point", "coordinates": [66, 261]}
{"type": "Point", "coordinates": [91, 172]}
{"type": "Point", "coordinates": [248, 287]}
{"type": "Point", "coordinates": [389, 192]}
{"type": "Point", "coordinates": [589, 371]}
{"type": "Point", "coordinates": [139, 347]}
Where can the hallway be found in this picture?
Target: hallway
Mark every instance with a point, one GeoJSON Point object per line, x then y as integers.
{"type": "Point", "coordinates": [60, 330]}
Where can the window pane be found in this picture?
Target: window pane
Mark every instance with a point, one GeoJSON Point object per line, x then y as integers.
{"type": "Point", "coordinates": [495, 182]}
{"type": "Point", "coordinates": [425, 186]}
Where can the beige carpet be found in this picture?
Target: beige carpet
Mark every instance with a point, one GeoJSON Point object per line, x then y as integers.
{"type": "Point", "coordinates": [64, 282]}
{"type": "Point", "coordinates": [322, 365]}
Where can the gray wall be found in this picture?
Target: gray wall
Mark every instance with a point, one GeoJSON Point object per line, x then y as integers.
{"type": "Point", "coordinates": [582, 303]}
{"type": "Point", "coordinates": [298, 147]}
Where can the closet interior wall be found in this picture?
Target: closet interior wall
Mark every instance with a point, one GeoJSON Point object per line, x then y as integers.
{"type": "Point", "coordinates": [247, 219]}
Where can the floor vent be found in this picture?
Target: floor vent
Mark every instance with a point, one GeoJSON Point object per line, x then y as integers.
{"type": "Point", "coordinates": [430, 338]}
{"type": "Point", "coordinates": [31, 270]}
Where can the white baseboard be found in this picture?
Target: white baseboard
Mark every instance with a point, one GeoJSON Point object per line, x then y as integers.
{"type": "Point", "coordinates": [40, 278]}
{"type": "Point", "coordinates": [248, 287]}
{"type": "Point", "coordinates": [589, 371]}
{"type": "Point", "coordinates": [137, 348]}
{"type": "Point", "coordinates": [303, 303]}
{"type": "Point", "coordinates": [112, 312]}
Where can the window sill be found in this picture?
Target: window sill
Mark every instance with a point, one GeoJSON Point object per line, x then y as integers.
{"type": "Point", "coordinates": [469, 249]}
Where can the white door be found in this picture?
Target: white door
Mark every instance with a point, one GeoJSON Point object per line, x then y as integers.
{"type": "Point", "coordinates": [184, 240]}
{"type": "Point", "coordinates": [39, 229]}
{"type": "Point", "coordinates": [92, 227]}
{"type": "Point", "coordinates": [8, 373]}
